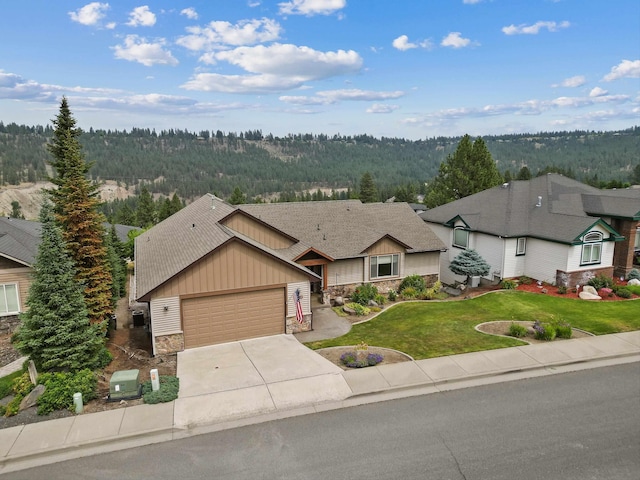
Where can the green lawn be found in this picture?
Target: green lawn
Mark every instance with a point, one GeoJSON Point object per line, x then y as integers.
{"type": "Point", "coordinates": [434, 329]}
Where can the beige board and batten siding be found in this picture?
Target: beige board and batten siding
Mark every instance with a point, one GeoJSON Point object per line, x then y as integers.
{"type": "Point", "coordinates": [20, 276]}
{"type": "Point", "coordinates": [345, 272]}
{"type": "Point", "coordinates": [258, 232]}
{"type": "Point", "coordinates": [305, 292]}
{"type": "Point", "coordinates": [426, 263]}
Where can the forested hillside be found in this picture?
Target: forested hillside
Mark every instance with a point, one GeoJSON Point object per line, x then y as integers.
{"type": "Point", "coordinates": [192, 164]}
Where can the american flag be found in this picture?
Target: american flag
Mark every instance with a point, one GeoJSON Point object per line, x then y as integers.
{"type": "Point", "coordinates": [296, 299]}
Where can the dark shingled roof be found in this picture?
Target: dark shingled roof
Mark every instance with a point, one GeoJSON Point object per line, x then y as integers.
{"type": "Point", "coordinates": [19, 239]}
{"type": "Point", "coordinates": [567, 208]}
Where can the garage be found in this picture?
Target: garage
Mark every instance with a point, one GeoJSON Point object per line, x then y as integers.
{"type": "Point", "coordinates": [237, 316]}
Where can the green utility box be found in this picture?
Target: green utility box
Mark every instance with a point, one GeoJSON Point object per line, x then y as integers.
{"type": "Point", "coordinates": [125, 385]}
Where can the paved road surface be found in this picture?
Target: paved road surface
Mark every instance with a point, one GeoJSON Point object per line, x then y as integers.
{"type": "Point", "coordinates": [582, 425]}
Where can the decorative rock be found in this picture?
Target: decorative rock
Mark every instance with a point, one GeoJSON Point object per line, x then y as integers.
{"type": "Point", "coordinates": [372, 304]}
{"type": "Point", "coordinates": [584, 295]}
{"type": "Point", "coordinates": [348, 310]}
{"type": "Point", "coordinates": [590, 289]}
{"type": "Point", "coordinates": [31, 399]}
{"type": "Point", "coordinates": [633, 281]}
{"type": "Point", "coordinates": [454, 292]}
{"type": "Point", "coordinates": [338, 301]}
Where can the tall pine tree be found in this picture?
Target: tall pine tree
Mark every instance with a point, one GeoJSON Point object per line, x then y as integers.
{"type": "Point", "coordinates": [469, 170]}
{"type": "Point", "coordinates": [55, 331]}
{"type": "Point", "coordinates": [368, 190]}
{"type": "Point", "coordinates": [75, 204]}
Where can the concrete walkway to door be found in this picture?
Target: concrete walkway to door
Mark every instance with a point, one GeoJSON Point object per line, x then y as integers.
{"type": "Point", "coordinates": [250, 377]}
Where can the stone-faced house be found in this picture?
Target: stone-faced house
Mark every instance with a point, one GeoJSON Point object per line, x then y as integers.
{"type": "Point", "coordinates": [214, 273]}
{"type": "Point", "coordinates": [550, 228]}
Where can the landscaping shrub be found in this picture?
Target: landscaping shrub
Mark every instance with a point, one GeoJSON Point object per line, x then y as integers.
{"type": "Point", "coordinates": [601, 281]}
{"type": "Point", "coordinates": [360, 310]}
{"type": "Point", "coordinates": [430, 293]}
{"type": "Point", "coordinates": [363, 293]}
{"type": "Point", "coordinates": [20, 386]}
{"type": "Point", "coordinates": [350, 360]}
{"type": "Point", "coordinates": [409, 293]}
{"type": "Point", "coordinates": [61, 386]}
{"type": "Point", "coordinates": [412, 281]}
{"type": "Point", "coordinates": [379, 299]}
{"type": "Point", "coordinates": [168, 391]}
{"type": "Point", "coordinates": [562, 290]}
{"type": "Point", "coordinates": [508, 284]}
{"type": "Point", "coordinates": [544, 331]}
{"type": "Point", "coordinates": [524, 280]}
{"type": "Point", "coordinates": [624, 292]}
{"type": "Point", "coordinates": [635, 289]}
{"type": "Point", "coordinates": [6, 383]}
{"type": "Point", "coordinates": [392, 296]}
{"type": "Point", "coordinates": [634, 273]}
{"type": "Point", "coordinates": [606, 292]}
{"type": "Point", "coordinates": [517, 330]}
{"type": "Point", "coordinates": [563, 330]}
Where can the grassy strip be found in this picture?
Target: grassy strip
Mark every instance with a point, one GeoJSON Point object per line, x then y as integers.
{"type": "Point", "coordinates": [435, 329]}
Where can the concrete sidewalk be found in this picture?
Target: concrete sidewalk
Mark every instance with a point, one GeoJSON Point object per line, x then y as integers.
{"type": "Point", "coordinates": [56, 440]}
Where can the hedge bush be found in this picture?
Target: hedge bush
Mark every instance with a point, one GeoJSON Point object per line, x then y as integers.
{"type": "Point", "coordinates": [517, 330]}
{"type": "Point", "coordinates": [364, 293]}
{"type": "Point", "coordinates": [412, 281]}
{"type": "Point", "coordinates": [634, 273]}
{"type": "Point", "coordinates": [61, 386]}
{"type": "Point", "coordinates": [168, 391]}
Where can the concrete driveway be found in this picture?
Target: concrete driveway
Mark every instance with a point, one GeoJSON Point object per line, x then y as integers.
{"type": "Point", "coordinates": [250, 377]}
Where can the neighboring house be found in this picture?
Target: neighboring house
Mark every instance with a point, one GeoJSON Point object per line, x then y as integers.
{"type": "Point", "coordinates": [550, 228]}
{"type": "Point", "coordinates": [19, 240]}
{"type": "Point", "coordinates": [214, 273]}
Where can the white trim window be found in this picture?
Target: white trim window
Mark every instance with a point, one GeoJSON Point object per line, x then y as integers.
{"type": "Point", "coordinates": [521, 247]}
{"type": "Point", "coordinates": [9, 301]}
{"type": "Point", "coordinates": [592, 248]}
{"type": "Point", "coordinates": [460, 237]}
{"type": "Point", "coordinates": [383, 266]}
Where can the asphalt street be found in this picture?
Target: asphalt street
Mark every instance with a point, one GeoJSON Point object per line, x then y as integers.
{"type": "Point", "coordinates": [576, 425]}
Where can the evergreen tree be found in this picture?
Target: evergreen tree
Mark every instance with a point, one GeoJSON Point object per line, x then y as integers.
{"type": "Point", "coordinates": [469, 170]}
{"type": "Point", "coordinates": [237, 197]}
{"type": "Point", "coordinates": [146, 212]}
{"type": "Point", "coordinates": [368, 190]}
{"type": "Point", "coordinates": [75, 204]}
{"type": "Point", "coordinates": [55, 331]}
{"type": "Point", "coordinates": [117, 266]}
{"type": "Point", "coordinates": [176, 204]}
{"type": "Point", "coordinates": [469, 263]}
{"type": "Point", "coordinates": [524, 174]}
{"type": "Point", "coordinates": [125, 216]}
{"type": "Point", "coordinates": [635, 176]}
{"type": "Point", "coordinates": [16, 210]}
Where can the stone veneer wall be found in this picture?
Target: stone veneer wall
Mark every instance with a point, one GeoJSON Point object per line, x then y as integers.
{"type": "Point", "coordinates": [9, 324]}
{"type": "Point", "coordinates": [293, 326]}
{"type": "Point", "coordinates": [383, 287]}
{"type": "Point", "coordinates": [571, 279]}
{"type": "Point", "coordinates": [166, 344]}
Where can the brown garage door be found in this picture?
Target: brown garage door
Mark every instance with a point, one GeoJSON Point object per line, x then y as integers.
{"type": "Point", "coordinates": [237, 316]}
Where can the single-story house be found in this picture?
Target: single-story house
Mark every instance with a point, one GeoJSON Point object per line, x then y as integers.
{"type": "Point", "coordinates": [19, 241]}
{"type": "Point", "coordinates": [550, 228]}
{"type": "Point", "coordinates": [215, 273]}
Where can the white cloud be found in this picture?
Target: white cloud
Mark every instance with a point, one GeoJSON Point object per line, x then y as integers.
{"type": "Point", "coordinates": [311, 7]}
{"type": "Point", "coordinates": [15, 87]}
{"type": "Point", "coordinates": [275, 68]}
{"type": "Point", "coordinates": [625, 69]}
{"type": "Point", "coordinates": [90, 14]}
{"type": "Point", "coordinates": [534, 29]}
{"type": "Point", "coordinates": [572, 82]}
{"type": "Point", "coordinates": [219, 33]}
{"type": "Point", "coordinates": [328, 97]}
{"type": "Point", "coordinates": [190, 13]}
{"type": "Point", "coordinates": [403, 43]}
{"type": "Point", "coordinates": [137, 49]}
{"type": "Point", "coordinates": [381, 108]}
{"type": "Point", "coordinates": [471, 2]}
{"type": "Point", "coordinates": [597, 92]}
{"type": "Point", "coordinates": [142, 17]}
{"type": "Point", "coordinates": [455, 40]}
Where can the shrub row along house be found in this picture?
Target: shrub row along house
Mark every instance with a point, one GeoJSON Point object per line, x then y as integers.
{"type": "Point", "coordinates": [214, 273]}
{"type": "Point", "coordinates": [550, 228]}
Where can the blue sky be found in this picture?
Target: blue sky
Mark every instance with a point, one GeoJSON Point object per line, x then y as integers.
{"type": "Point", "coordinates": [402, 68]}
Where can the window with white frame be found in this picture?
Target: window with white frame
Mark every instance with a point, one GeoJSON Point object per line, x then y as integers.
{"type": "Point", "coordinates": [384, 266]}
{"type": "Point", "coordinates": [9, 302]}
{"type": "Point", "coordinates": [592, 248]}
{"type": "Point", "coordinates": [460, 237]}
{"type": "Point", "coordinates": [521, 247]}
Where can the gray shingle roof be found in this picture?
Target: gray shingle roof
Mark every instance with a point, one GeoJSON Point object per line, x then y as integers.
{"type": "Point", "coordinates": [346, 228]}
{"type": "Point", "coordinates": [19, 239]}
{"type": "Point", "coordinates": [567, 208]}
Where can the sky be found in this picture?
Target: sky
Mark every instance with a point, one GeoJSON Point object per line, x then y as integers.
{"type": "Point", "coordinates": [403, 68]}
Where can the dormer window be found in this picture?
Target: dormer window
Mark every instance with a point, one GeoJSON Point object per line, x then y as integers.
{"type": "Point", "coordinates": [460, 237]}
{"type": "Point", "coordinates": [592, 248]}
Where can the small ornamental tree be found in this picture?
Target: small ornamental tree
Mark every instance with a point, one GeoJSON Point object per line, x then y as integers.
{"type": "Point", "coordinates": [55, 331]}
{"type": "Point", "coordinates": [470, 264]}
